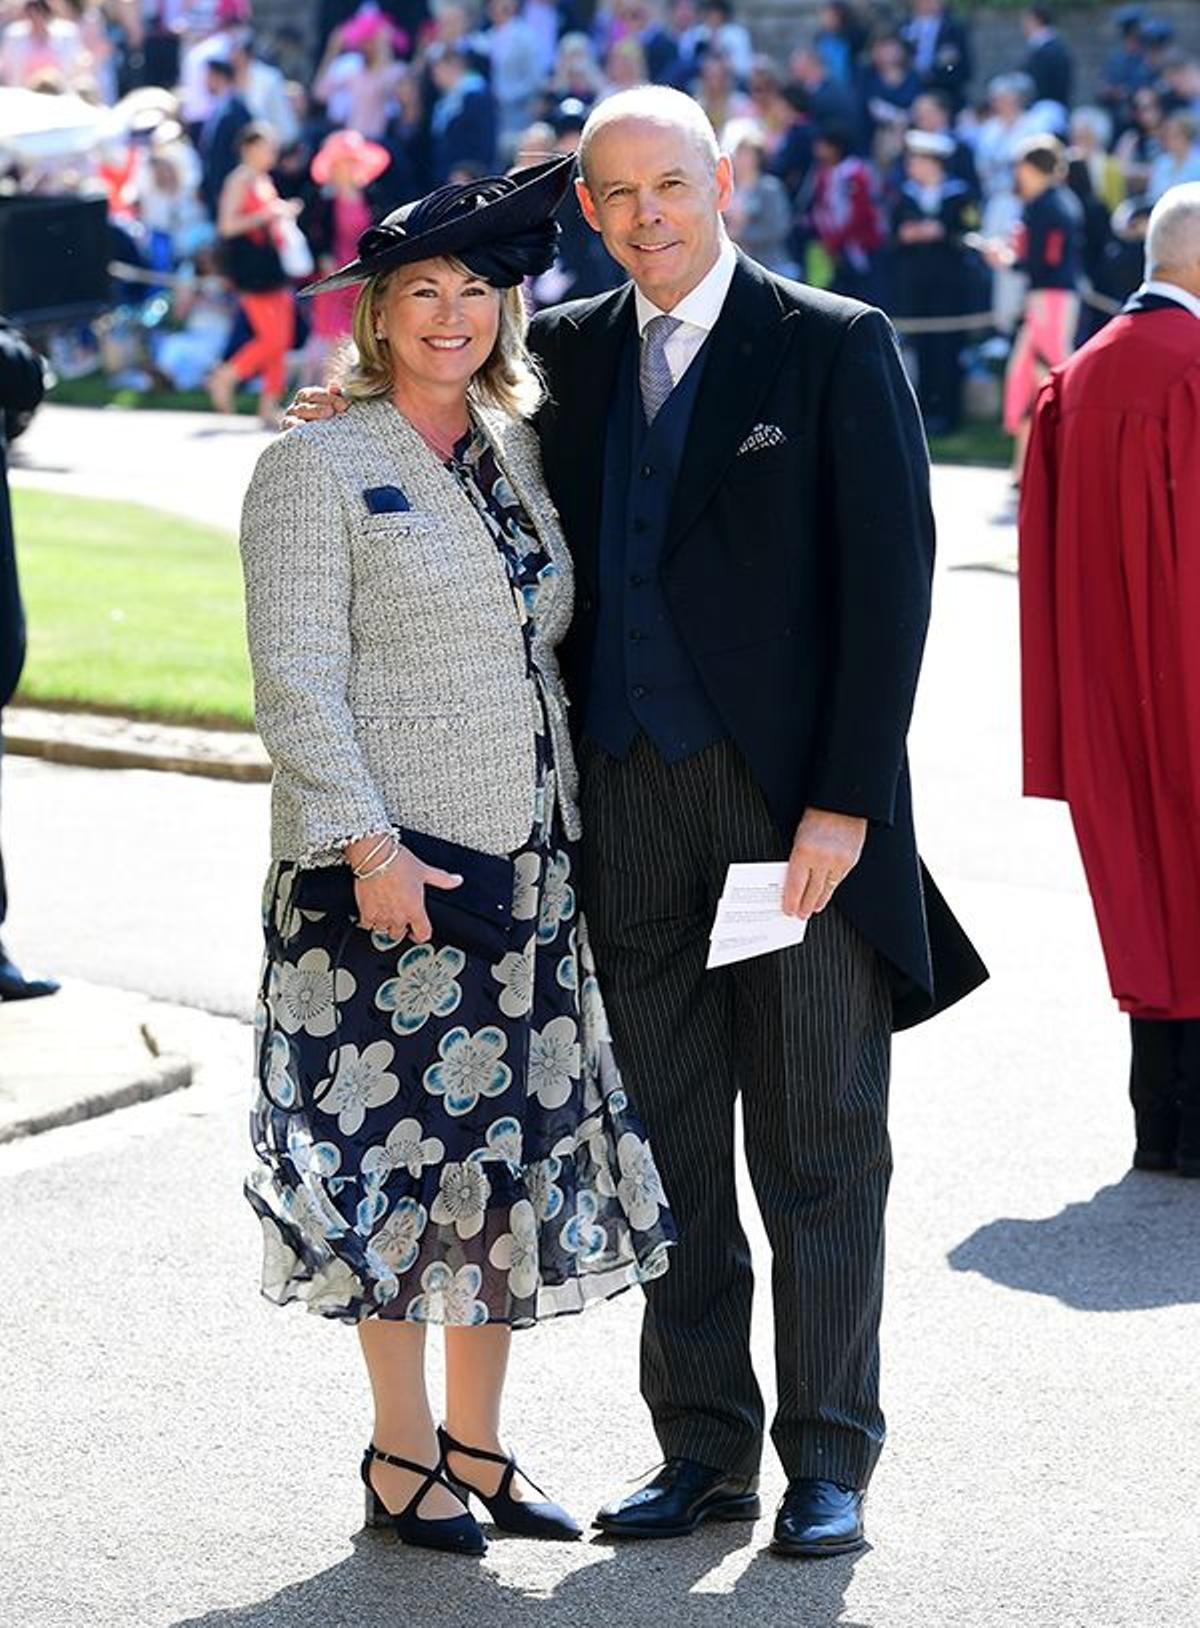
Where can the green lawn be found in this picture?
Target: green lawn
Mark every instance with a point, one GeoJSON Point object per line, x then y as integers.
{"type": "Point", "coordinates": [973, 444]}
{"type": "Point", "coordinates": [94, 390]}
{"type": "Point", "coordinates": [131, 610]}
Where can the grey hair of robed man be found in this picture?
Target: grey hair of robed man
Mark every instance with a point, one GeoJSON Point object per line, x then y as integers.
{"type": "Point", "coordinates": [653, 104]}
{"type": "Point", "coordinates": [1173, 236]}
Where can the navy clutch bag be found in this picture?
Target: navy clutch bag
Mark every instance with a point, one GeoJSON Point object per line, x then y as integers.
{"type": "Point", "coordinates": [476, 915]}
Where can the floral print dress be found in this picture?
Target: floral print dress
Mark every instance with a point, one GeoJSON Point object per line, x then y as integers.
{"type": "Point", "coordinates": [442, 1136]}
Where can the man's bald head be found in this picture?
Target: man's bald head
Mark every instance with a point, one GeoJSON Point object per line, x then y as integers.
{"type": "Point", "coordinates": [1173, 238]}
{"type": "Point", "coordinates": [650, 104]}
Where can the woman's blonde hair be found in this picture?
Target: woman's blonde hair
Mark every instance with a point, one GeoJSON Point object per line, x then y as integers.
{"type": "Point", "coordinates": [508, 378]}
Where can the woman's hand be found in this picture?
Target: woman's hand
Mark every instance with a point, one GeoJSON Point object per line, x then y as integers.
{"type": "Point", "coordinates": [313, 403]}
{"type": "Point", "coordinates": [393, 902]}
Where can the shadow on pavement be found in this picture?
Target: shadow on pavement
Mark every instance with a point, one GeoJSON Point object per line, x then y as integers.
{"type": "Point", "coordinates": [35, 465]}
{"type": "Point", "coordinates": [239, 425]}
{"type": "Point", "coordinates": [1006, 566]}
{"type": "Point", "coordinates": [651, 1585]}
{"type": "Point", "coordinates": [1130, 1247]}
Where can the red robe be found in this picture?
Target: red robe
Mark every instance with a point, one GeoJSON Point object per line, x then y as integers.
{"type": "Point", "coordinates": [1110, 641]}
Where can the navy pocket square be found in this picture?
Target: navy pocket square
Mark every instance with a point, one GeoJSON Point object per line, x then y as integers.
{"type": "Point", "coordinates": [385, 500]}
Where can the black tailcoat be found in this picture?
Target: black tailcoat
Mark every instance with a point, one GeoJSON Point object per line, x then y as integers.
{"type": "Point", "coordinates": [22, 381]}
{"type": "Point", "coordinates": [798, 573]}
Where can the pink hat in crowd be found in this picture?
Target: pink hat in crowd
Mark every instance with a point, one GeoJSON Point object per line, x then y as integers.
{"type": "Point", "coordinates": [368, 158]}
{"type": "Point", "coordinates": [367, 22]}
{"type": "Point", "coordinates": [230, 12]}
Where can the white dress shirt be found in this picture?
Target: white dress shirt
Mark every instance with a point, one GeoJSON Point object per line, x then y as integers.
{"type": "Point", "coordinates": [1172, 291]}
{"type": "Point", "coordinates": [696, 313]}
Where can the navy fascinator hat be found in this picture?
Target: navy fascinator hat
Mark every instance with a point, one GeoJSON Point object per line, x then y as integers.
{"type": "Point", "coordinates": [501, 227]}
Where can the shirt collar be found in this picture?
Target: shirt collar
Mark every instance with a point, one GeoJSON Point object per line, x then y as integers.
{"type": "Point", "coordinates": [702, 306]}
{"type": "Point", "coordinates": [1172, 291]}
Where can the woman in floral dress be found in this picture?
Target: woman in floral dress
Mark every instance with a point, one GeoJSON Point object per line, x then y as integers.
{"type": "Point", "coordinates": [440, 1128]}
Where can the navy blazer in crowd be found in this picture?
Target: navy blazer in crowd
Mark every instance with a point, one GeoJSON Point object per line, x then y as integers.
{"type": "Point", "coordinates": [1050, 67]}
{"type": "Point", "coordinates": [952, 65]}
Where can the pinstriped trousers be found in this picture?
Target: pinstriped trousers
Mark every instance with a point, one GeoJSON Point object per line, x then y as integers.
{"type": "Point", "coordinates": [805, 1036]}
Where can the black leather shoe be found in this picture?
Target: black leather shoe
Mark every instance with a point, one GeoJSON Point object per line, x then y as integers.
{"type": "Point", "coordinates": [15, 986]}
{"type": "Point", "coordinates": [818, 1518]}
{"type": "Point", "coordinates": [680, 1497]}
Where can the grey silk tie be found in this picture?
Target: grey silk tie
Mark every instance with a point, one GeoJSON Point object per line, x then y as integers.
{"type": "Point", "coordinates": [653, 373]}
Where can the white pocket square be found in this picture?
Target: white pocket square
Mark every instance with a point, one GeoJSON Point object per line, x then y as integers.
{"type": "Point", "coordinates": [761, 437]}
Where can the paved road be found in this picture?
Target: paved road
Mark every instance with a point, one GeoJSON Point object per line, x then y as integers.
{"type": "Point", "coordinates": [177, 1453]}
{"type": "Point", "coordinates": [186, 463]}
{"type": "Point", "coordinates": [153, 885]}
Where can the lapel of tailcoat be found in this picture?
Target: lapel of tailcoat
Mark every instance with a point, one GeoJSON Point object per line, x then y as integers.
{"type": "Point", "coordinates": [583, 389]}
{"type": "Point", "coordinates": [746, 348]}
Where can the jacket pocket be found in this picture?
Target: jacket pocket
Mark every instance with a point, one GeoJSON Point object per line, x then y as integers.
{"type": "Point", "coordinates": [408, 719]}
{"type": "Point", "coordinates": [397, 523]}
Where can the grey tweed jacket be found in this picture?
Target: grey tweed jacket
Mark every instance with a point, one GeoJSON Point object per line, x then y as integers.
{"type": "Point", "coordinates": [389, 664]}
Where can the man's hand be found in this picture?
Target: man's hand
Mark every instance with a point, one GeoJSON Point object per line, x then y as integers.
{"type": "Point", "coordinates": [314, 402]}
{"type": "Point", "coordinates": [825, 850]}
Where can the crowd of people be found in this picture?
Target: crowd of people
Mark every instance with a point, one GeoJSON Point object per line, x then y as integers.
{"type": "Point", "coordinates": [869, 158]}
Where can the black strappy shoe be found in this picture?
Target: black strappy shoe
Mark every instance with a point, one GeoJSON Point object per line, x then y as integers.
{"type": "Point", "coordinates": [459, 1534]}
{"type": "Point", "coordinates": [544, 1520]}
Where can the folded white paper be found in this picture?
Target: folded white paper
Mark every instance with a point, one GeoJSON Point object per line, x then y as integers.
{"type": "Point", "coordinates": [750, 919]}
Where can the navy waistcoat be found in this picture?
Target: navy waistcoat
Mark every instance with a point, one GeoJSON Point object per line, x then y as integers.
{"type": "Point", "coordinates": [642, 676]}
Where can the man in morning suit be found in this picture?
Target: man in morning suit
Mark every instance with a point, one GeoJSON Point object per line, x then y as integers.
{"type": "Point", "coordinates": [740, 469]}
{"type": "Point", "coordinates": [1110, 601]}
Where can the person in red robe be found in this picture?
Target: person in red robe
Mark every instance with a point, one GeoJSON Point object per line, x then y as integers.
{"type": "Point", "coordinates": [1110, 657]}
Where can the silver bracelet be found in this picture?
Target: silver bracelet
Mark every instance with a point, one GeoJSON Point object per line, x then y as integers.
{"type": "Point", "coordinates": [366, 876]}
{"type": "Point", "coordinates": [380, 845]}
